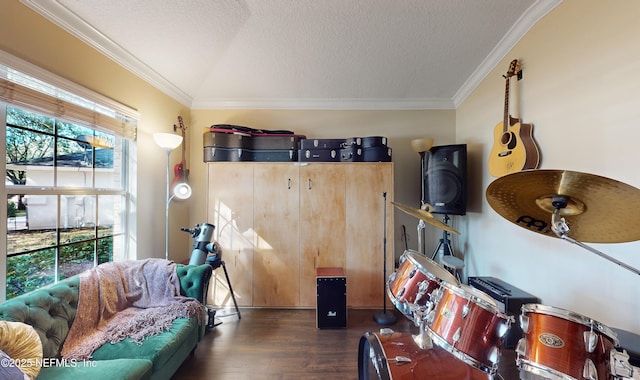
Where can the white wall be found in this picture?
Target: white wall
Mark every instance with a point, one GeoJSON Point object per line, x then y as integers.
{"type": "Point", "coordinates": [581, 75]}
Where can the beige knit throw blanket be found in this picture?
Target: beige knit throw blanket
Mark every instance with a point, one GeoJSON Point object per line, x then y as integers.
{"type": "Point", "coordinates": [126, 299]}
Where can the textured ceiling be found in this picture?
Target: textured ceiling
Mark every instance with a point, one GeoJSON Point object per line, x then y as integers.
{"type": "Point", "coordinates": [346, 54]}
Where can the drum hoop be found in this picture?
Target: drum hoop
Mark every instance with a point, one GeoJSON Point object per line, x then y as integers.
{"type": "Point", "coordinates": [442, 275]}
{"type": "Point", "coordinates": [490, 307]}
{"type": "Point", "coordinates": [573, 317]}
{"type": "Point", "coordinates": [385, 363]}
{"type": "Point", "coordinates": [438, 340]}
{"type": "Point", "coordinates": [542, 371]}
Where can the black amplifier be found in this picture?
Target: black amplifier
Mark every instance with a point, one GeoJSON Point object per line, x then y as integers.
{"type": "Point", "coordinates": [509, 299]}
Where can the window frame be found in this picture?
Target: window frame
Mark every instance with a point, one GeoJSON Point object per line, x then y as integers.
{"type": "Point", "coordinates": [95, 103]}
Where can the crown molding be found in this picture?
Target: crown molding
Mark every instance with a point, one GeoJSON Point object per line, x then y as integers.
{"type": "Point", "coordinates": [60, 15]}
{"type": "Point", "coordinates": [325, 104]}
{"type": "Point", "coordinates": [528, 19]}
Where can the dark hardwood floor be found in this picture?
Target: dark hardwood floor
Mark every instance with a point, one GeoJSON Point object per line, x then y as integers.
{"type": "Point", "coordinates": [285, 344]}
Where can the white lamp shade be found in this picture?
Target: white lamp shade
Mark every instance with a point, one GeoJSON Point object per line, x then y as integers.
{"type": "Point", "coordinates": [167, 141]}
{"type": "Point", "coordinates": [182, 190]}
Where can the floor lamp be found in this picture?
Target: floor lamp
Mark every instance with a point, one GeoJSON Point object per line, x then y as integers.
{"type": "Point", "coordinates": [169, 142]}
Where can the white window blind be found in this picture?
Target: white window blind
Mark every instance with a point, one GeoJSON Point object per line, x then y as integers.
{"type": "Point", "coordinates": [20, 88]}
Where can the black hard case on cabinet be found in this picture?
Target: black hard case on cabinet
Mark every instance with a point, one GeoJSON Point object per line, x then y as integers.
{"type": "Point", "coordinates": [331, 301]}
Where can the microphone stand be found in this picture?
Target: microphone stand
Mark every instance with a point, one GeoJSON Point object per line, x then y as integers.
{"type": "Point", "coordinates": [385, 317]}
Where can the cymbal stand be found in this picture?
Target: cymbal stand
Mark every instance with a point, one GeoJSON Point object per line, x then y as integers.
{"type": "Point", "coordinates": [421, 244]}
{"type": "Point", "coordinates": [560, 227]}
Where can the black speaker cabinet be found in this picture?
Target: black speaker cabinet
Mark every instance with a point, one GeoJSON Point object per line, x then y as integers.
{"type": "Point", "coordinates": [331, 301]}
{"type": "Point", "coordinates": [444, 171]}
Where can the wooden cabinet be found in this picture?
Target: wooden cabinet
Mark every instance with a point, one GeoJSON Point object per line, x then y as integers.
{"type": "Point", "coordinates": [276, 262]}
{"type": "Point", "coordinates": [278, 222]}
{"type": "Point", "coordinates": [322, 224]}
{"type": "Point", "coordinates": [230, 210]}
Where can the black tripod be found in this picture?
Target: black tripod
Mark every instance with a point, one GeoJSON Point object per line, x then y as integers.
{"type": "Point", "coordinates": [444, 243]}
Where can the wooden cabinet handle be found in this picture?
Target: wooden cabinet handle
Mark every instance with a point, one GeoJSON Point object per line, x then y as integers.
{"type": "Point", "coordinates": [289, 184]}
{"type": "Point", "coordinates": [309, 183]}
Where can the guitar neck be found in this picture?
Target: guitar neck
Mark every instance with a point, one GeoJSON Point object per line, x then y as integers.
{"type": "Point", "coordinates": [505, 117]}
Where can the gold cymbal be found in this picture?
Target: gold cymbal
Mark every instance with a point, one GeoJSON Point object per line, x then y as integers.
{"type": "Point", "coordinates": [596, 209]}
{"type": "Point", "coordinates": [426, 216]}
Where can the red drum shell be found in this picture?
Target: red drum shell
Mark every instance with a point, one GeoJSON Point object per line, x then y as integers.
{"type": "Point", "coordinates": [403, 285]}
{"type": "Point", "coordinates": [433, 363]}
{"type": "Point", "coordinates": [479, 335]}
{"type": "Point", "coordinates": [554, 343]}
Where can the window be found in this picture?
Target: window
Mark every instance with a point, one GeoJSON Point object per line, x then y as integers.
{"type": "Point", "coordinates": [66, 183]}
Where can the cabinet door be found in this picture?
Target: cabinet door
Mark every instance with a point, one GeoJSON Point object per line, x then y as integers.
{"type": "Point", "coordinates": [365, 238]}
{"type": "Point", "coordinates": [322, 224]}
{"type": "Point", "coordinates": [276, 221]}
{"type": "Point", "coordinates": [230, 210]}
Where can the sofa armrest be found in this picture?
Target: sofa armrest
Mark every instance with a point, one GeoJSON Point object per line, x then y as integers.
{"type": "Point", "coordinates": [194, 280]}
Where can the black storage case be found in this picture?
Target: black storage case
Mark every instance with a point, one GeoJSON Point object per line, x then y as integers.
{"type": "Point", "coordinates": [509, 299]}
{"type": "Point", "coordinates": [331, 301]}
{"type": "Point", "coordinates": [274, 155]}
{"type": "Point", "coordinates": [319, 155]}
{"type": "Point", "coordinates": [212, 154]}
{"type": "Point", "coordinates": [275, 142]}
{"type": "Point", "coordinates": [226, 140]}
{"type": "Point", "coordinates": [314, 144]}
{"type": "Point", "coordinates": [376, 154]}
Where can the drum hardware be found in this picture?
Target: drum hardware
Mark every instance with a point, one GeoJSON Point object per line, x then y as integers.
{"type": "Point", "coordinates": [421, 146]}
{"type": "Point", "coordinates": [425, 216]}
{"type": "Point", "coordinates": [384, 317]}
{"type": "Point", "coordinates": [527, 198]}
{"type": "Point", "coordinates": [399, 360]}
{"type": "Point", "coordinates": [561, 228]}
{"type": "Point", "coordinates": [620, 367]}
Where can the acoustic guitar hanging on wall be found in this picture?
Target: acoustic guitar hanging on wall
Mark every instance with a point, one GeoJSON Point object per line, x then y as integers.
{"type": "Point", "coordinates": [514, 148]}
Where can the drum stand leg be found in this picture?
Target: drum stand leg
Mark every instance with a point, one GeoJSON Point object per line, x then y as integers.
{"type": "Point", "coordinates": [449, 260]}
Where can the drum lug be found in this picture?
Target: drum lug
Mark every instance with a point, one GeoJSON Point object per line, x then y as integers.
{"type": "Point", "coordinates": [589, 371]}
{"type": "Point", "coordinates": [521, 348]}
{"type": "Point", "coordinates": [430, 316]}
{"type": "Point", "coordinates": [524, 323]}
{"type": "Point", "coordinates": [436, 295]}
{"type": "Point", "coordinates": [423, 286]}
{"type": "Point", "coordinates": [494, 355]}
{"type": "Point", "coordinates": [386, 331]}
{"type": "Point", "coordinates": [465, 311]}
{"type": "Point", "coordinates": [400, 360]}
{"type": "Point", "coordinates": [457, 335]}
{"type": "Point", "coordinates": [620, 367]}
{"type": "Point", "coordinates": [590, 341]}
{"type": "Point", "coordinates": [503, 329]}
{"type": "Point", "coordinates": [413, 273]}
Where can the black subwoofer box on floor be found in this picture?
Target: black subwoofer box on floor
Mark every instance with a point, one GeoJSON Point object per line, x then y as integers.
{"type": "Point", "coordinates": [331, 298]}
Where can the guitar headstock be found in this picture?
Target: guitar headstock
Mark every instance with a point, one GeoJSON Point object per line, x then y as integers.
{"type": "Point", "coordinates": [513, 69]}
{"type": "Point", "coordinates": [181, 126]}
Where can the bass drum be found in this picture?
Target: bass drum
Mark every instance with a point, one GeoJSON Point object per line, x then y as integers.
{"type": "Point", "coordinates": [390, 355]}
{"type": "Point", "coordinates": [410, 286]}
{"type": "Point", "coordinates": [560, 344]}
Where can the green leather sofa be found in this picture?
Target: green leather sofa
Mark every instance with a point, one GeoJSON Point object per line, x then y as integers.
{"type": "Point", "coordinates": [51, 312]}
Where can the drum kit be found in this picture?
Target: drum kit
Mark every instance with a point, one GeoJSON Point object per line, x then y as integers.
{"type": "Point", "coordinates": [461, 328]}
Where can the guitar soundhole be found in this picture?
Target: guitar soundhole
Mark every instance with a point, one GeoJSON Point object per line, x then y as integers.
{"type": "Point", "coordinates": [508, 139]}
